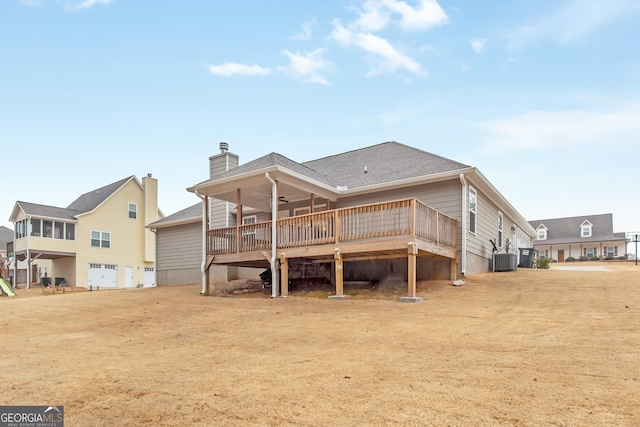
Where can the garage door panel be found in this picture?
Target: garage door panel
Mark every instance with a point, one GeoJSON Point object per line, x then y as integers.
{"type": "Point", "coordinates": [103, 275]}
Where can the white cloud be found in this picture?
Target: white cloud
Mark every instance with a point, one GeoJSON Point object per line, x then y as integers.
{"type": "Point", "coordinates": [376, 15]}
{"type": "Point", "coordinates": [86, 4]}
{"type": "Point", "coordinates": [386, 59]}
{"type": "Point", "coordinates": [542, 130]}
{"type": "Point", "coordinates": [478, 45]}
{"type": "Point", "coordinates": [427, 14]}
{"type": "Point", "coordinates": [230, 68]}
{"type": "Point", "coordinates": [305, 30]}
{"type": "Point", "coordinates": [307, 66]}
{"type": "Point", "coordinates": [572, 24]}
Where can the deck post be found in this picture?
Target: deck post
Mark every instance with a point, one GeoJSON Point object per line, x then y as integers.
{"type": "Point", "coordinates": [337, 256]}
{"type": "Point", "coordinates": [411, 276]}
{"type": "Point", "coordinates": [284, 275]}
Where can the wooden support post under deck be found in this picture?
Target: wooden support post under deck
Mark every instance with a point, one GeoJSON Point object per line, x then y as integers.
{"type": "Point", "coordinates": [284, 275]}
{"type": "Point", "coordinates": [339, 276]}
{"type": "Point", "coordinates": [207, 276]}
{"type": "Point", "coordinates": [411, 276]}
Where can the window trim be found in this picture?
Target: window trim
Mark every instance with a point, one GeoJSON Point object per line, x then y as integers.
{"type": "Point", "coordinates": [249, 217]}
{"type": "Point", "coordinates": [133, 211]}
{"type": "Point", "coordinates": [104, 243]}
{"type": "Point", "coordinates": [500, 229]}
{"type": "Point", "coordinates": [473, 209]}
{"type": "Point", "coordinates": [306, 210]}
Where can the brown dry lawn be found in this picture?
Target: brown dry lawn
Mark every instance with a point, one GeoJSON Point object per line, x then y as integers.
{"type": "Point", "coordinates": [525, 348]}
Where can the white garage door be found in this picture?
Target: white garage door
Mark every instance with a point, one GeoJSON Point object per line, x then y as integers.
{"type": "Point", "coordinates": [103, 275]}
{"type": "Point", "coordinates": [149, 277]}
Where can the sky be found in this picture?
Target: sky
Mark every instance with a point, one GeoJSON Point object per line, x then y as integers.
{"type": "Point", "coordinates": [543, 96]}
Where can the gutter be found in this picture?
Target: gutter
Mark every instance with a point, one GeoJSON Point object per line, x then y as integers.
{"type": "Point", "coordinates": [204, 242]}
{"type": "Point", "coordinates": [463, 260]}
{"type": "Point", "coordinates": [274, 218]}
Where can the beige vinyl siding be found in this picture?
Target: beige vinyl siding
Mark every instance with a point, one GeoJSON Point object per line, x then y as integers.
{"type": "Point", "coordinates": [151, 214]}
{"type": "Point", "coordinates": [127, 246]}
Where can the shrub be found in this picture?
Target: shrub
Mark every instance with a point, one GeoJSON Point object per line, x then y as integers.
{"type": "Point", "coordinates": [609, 258]}
{"type": "Point", "coordinates": [542, 263]}
{"type": "Point", "coordinates": [622, 257]}
{"type": "Point", "coordinates": [582, 258]}
{"type": "Point", "coordinates": [594, 258]}
{"type": "Point", "coordinates": [570, 259]}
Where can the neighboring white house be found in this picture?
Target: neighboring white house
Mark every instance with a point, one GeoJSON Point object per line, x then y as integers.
{"type": "Point", "coordinates": [589, 237]}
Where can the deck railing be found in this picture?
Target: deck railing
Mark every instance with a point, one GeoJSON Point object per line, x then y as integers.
{"type": "Point", "coordinates": [408, 217]}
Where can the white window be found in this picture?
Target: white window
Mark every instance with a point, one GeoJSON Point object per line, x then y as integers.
{"type": "Point", "coordinates": [610, 251]}
{"type": "Point", "coordinates": [542, 254]}
{"type": "Point", "coordinates": [500, 227]}
{"type": "Point", "coordinates": [133, 210]}
{"type": "Point", "coordinates": [542, 234]}
{"type": "Point", "coordinates": [306, 210]}
{"type": "Point", "coordinates": [589, 252]}
{"type": "Point", "coordinates": [473, 209]}
{"type": "Point", "coordinates": [585, 229]}
{"type": "Point", "coordinates": [249, 219]}
{"type": "Point", "coordinates": [100, 239]}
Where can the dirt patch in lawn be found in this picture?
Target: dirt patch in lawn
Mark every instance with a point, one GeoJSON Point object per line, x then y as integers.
{"type": "Point", "coordinates": [525, 348]}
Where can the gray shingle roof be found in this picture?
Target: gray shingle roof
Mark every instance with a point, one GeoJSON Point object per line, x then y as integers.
{"type": "Point", "coordinates": [91, 200]}
{"type": "Point", "coordinates": [385, 162]}
{"type": "Point", "coordinates": [192, 212]}
{"type": "Point", "coordinates": [567, 230]}
{"type": "Point", "coordinates": [272, 159]}
{"type": "Point", "coordinates": [85, 203]}
{"type": "Point", "coordinates": [45, 211]}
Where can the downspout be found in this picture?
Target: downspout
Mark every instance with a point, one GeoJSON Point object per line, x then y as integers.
{"type": "Point", "coordinates": [274, 219]}
{"type": "Point", "coordinates": [15, 258]}
{"type": "Point", "coordinates": [28, 232]}
{"type": "Point", "coordinates": [204, 242]}
{"type": "Point", "coordinates": [463, 260]}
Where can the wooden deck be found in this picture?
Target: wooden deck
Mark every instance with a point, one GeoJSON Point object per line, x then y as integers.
{"type": "Point", "coordinates": [370, 231]}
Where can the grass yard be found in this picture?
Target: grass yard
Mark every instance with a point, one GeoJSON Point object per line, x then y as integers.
{"type": "Point", "coordinates": [526, 348]}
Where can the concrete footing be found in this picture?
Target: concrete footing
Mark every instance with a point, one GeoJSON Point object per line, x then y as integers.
{"type": "Point", "coordinates": [410, 299]}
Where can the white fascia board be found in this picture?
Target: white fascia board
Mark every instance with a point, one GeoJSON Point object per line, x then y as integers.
{"type": "Point", "coordinates": [275, 171]}
{"type": "Point", "coordinates": [496, 197]}
{"type": "Point", "coordinates": [111, 195]}
{"type": "Point", "coordinates": [172, 223]}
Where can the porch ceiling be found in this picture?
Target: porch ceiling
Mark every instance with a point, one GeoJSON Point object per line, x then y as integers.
{"type": "Point", "coordinates": [36, 254]}
{"type": "Point", "coordinates": [255, 189]}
